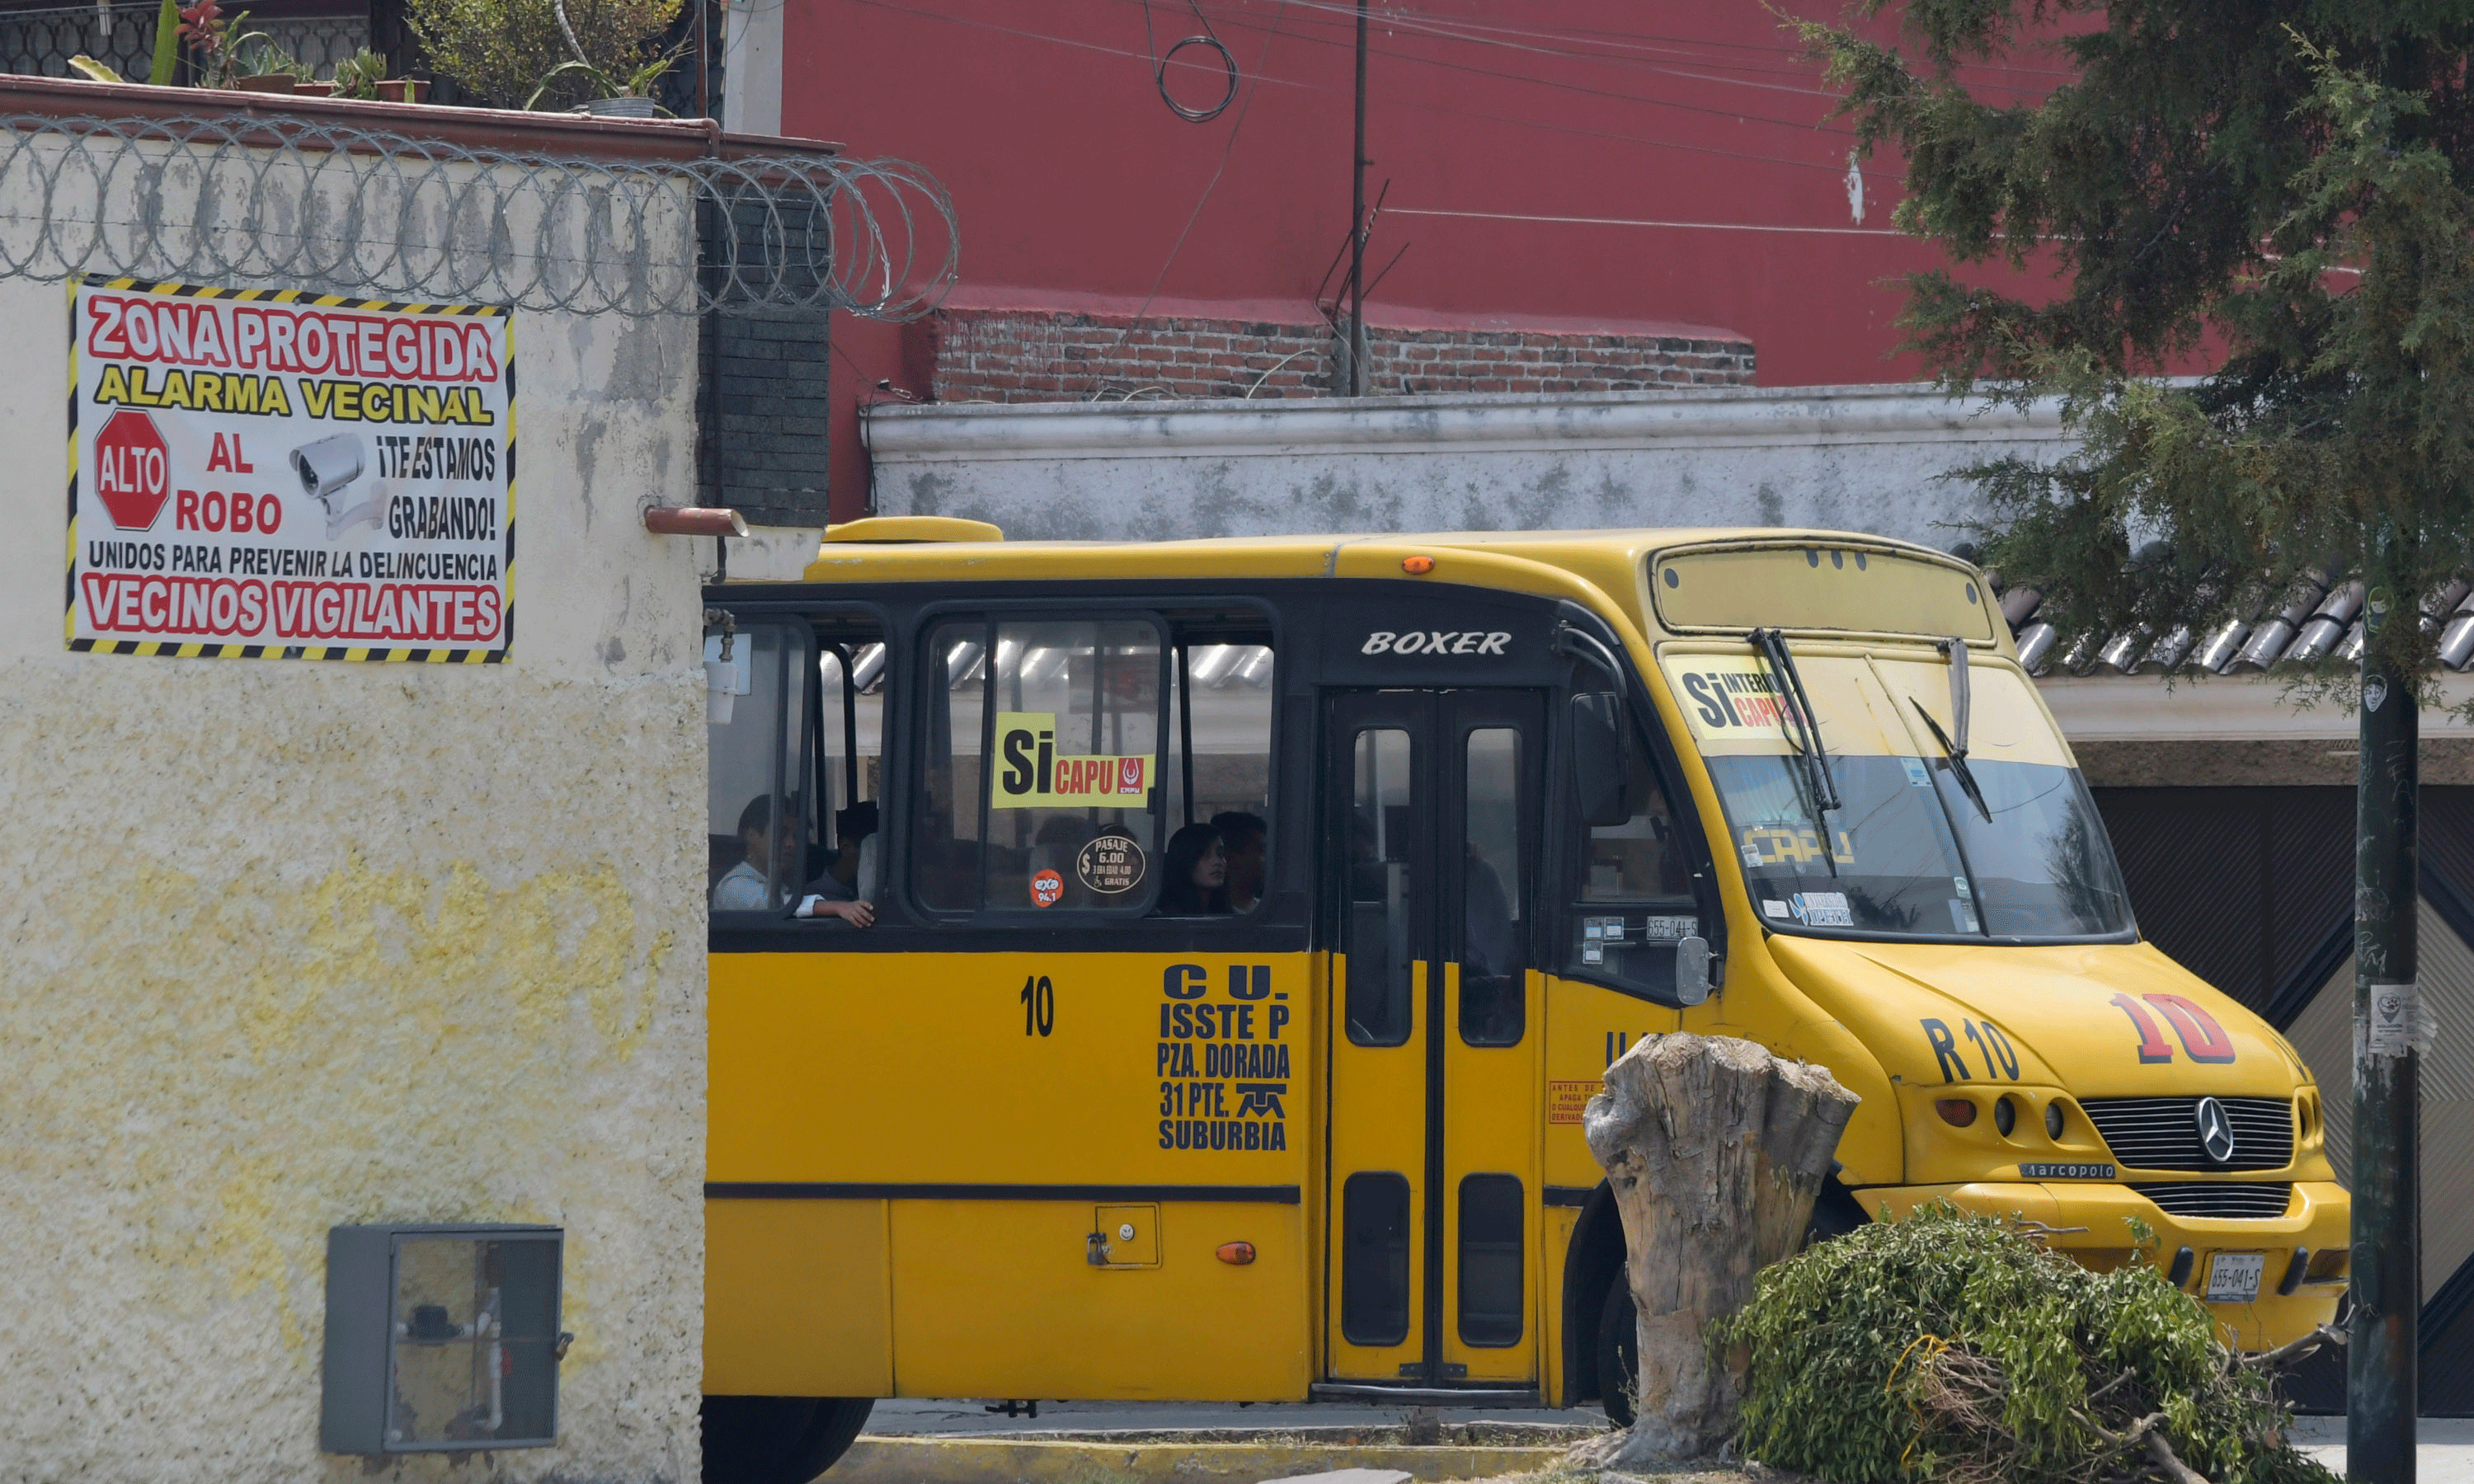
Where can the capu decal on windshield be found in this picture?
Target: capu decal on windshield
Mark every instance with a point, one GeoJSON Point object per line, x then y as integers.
{"type": "Point", "coordinates": [2202, 1037]}
{"type": "Point", "coordinates": [1793, 843]}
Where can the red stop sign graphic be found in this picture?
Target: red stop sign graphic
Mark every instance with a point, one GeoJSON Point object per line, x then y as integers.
{"type": "Point", "coordinates": [132, 469]}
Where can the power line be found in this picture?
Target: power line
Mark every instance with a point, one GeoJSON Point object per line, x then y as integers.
{"type": "Point", "coordinates": [1445, 31]}
{"type": "Point", "coordinates": [1835, 166]}
{"type": "Point", "coordinates": [1161, 64]}
{"type": "Point", "coordinates": [1404, 17]}
{"type": "Point", "coordinates": [1616, 221]}
{"type": "Point", "coordinates": [1226, 148]}
{"type": "Point", "coordinates": [1736, 114]}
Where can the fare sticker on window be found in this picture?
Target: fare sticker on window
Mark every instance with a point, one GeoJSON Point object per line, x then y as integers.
{"type": "Point", "coordinates": [1030, 774]}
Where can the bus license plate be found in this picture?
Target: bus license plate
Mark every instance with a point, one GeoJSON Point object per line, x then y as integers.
{"type": "Point", "coordinates": [2233, 1276]}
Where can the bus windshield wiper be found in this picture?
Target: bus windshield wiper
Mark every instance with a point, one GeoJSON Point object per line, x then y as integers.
{"type": "Point", "coordinates": [1803, 728]}
{"type": "Point", "coordinates": [1954, 650]}
{"type": "Point", "coordinates": [1795, 709]}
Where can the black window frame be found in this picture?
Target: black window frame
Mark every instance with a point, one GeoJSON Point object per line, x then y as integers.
{"type": "Point", "coordinates": [799, 770]}
{"type": "Point", "coordinates": [1567, 839]}
{"type": "Point", "coordinates": [1174, 612]}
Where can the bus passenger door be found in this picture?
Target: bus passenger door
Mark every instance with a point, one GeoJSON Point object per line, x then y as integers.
{"type": "Point", "coordinates": [1431, 858]}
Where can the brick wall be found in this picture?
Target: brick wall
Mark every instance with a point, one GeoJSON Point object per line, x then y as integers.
{"type": "Point", "coordinates": [986, 355]}
{"type": "Point", "coordinates": [763, 414]}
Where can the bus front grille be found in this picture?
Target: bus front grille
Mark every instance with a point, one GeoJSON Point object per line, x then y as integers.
{"type": "Point", "coordinates": [2225, 1200]}
{"type": "Point", "coordinates": [2163, 1132]}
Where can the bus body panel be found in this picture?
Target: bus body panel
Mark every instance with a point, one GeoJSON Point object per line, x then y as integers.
{"type": "Point", "coordinates": [798, 1298]}
{"type": "Point", "coordinates": [866, 1106]}
{"type": "Point", "coordinates": [996, 1299]}
{"type": "Point", "coordinates": [909, 1070]}
{"type": "Point", "coordinates": [898, 1127]}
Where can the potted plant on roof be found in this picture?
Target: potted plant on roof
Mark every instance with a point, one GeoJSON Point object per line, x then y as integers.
{"type": "Point", "coordinates": [548, 54]}
{"type": "Point", "coordinates": [627, 97]}
{"type": "Point", "coordinates": [228, 58]}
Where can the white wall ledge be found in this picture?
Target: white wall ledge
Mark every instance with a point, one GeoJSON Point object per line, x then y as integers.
{"type": "Point", "coordinates": [2218, 708]}
{"type": "Point", "coordinates": [1460, 422]}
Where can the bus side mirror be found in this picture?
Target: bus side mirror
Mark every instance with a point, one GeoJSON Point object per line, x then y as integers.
{"type": "Point", "coordinates": [1692, 966]}
{"type": "Point", "coordinates": [1600, 769]}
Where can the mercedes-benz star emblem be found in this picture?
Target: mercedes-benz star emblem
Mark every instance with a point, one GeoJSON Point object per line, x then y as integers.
{"type": "Point", "coordinates": [2216, 1131]}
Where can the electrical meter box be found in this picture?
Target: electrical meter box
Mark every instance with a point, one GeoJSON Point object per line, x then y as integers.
{"type": "Point", "coordinates": [440, 1338]}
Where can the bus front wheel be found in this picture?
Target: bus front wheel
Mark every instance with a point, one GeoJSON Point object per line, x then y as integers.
{"type": "Point", "coordinates": [1834, 1213]}
{"type": "Point", "coordinates": [778, 1440]}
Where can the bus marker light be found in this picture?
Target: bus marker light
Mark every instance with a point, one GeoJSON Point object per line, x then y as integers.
{"type": "Point", "coordinates": [1416, 566]}
{"type": "Point", "coordinates": [1956, 1112]}
{"type": "Point", "coordinates": [1236, 1253]}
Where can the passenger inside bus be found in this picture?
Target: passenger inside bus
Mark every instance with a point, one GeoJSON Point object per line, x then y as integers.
{"type": "Point", "coordinates": [846, 889]}
{"type": "Point", "coordinates": [1244, 836]}
{"type": "Point", "coordinates": [853, 861]}
{"type": "Point", "coordinates": [743, 887]}
{"type": "Point", "coordinates": [820, 902]}
{"type": "Point", "coordinates": [1194, 881]}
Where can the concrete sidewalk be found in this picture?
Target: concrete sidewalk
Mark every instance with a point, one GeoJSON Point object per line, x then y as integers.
{"type": "Point", "coordinates": [1231, 1443]}
{"type": "Point", "coordinates": [960, 1442]}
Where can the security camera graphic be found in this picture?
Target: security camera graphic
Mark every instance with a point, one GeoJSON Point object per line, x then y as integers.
{"type": "Point", "coordinates": [328, 468]}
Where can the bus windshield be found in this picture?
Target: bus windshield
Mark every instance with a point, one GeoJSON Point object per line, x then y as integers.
{"type": "Point", "coordinates": [1887, 841]}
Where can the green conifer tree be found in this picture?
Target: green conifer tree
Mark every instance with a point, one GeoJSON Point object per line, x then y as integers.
{"type": "Point", "coordinates": [2277, 190]}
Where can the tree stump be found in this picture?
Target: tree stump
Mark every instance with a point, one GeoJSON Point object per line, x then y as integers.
{"type": "Point", "coordinates": [1715, 1150]}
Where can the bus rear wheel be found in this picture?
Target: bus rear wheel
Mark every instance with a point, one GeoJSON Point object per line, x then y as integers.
{"type": "Point", "coordinates": [778, 1440]}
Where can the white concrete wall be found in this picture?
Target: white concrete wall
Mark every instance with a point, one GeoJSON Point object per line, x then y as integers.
{"type": "Point", "coordinates": [1847, 458]}
{"type": "Point", "coordinates": [752, 60]}
{"type": "Point", "coordinates": [290, 944]}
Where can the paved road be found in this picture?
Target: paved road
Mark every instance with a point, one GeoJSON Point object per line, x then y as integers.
{"type": "Point", "coordinates": [2446, 1455]}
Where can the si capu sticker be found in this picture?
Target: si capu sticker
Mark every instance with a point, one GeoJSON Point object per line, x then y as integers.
{"type": "Point", "coordinates": [1110, 864]}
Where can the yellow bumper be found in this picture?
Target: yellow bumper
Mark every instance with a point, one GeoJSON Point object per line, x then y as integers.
{"type": "Point", "coordinates": [2318, 1220]}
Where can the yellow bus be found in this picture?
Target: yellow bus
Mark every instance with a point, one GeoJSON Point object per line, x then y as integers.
{"type": "Point", "coordinates": [1176, 970]}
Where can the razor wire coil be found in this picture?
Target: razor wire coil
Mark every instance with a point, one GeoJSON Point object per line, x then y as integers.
{"type": "Point", "coordinates": [289, 202]}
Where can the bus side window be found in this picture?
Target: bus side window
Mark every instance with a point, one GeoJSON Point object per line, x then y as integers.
{"type": "Point", "coordinates": [1643, 858]}
{"type": "Point", "coordinates": [1633, 898]}
{"type": "Point", "coordinates": [1041, 766]}
{"type": "Point", "coordinates": [757, 807]}
{"type": "Point", "coordinates": [1219, 772]}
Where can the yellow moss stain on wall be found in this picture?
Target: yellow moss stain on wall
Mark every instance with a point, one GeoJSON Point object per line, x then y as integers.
{"type": "Point", "coordinates": [623, 1010]}
{"type": "Point", "coordinates": [238, 1065]}
{"type": "Point", "coordinates": [244, 1238]}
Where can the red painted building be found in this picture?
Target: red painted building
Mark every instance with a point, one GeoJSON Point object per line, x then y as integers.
{"type": "Point", "coordinates": [1667, 174]}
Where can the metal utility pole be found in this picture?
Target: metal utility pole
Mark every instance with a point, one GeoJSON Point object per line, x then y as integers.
{"type": "Point", "coordinates": [1357, 370]}
{"type": "Point", "coordinates": [2381, 1383]}
{"type": "Point", "coordinates": [703, 61]}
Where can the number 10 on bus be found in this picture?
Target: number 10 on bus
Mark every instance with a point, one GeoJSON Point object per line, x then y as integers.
{"type": "Point", "coordinates": [1038, 1006]}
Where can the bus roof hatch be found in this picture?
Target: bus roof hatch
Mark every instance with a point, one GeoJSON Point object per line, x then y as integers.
{"type": "Point", "coordinates": [887, 529]}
